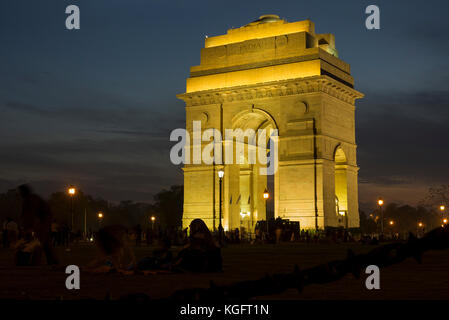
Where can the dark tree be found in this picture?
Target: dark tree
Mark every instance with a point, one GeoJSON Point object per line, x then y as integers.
{"type": "Point", "coordinates": [367, 224]}
{"type": "Point", "coordinates": [169, 206]}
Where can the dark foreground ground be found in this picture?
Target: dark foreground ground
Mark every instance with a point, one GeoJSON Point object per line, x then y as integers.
{"type": "Point", "coordinates": [407, 280]}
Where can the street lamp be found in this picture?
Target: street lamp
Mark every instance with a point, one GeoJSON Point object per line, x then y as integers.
{"type": "Point", "coordinates": [380, 202]}
{"type": "Point", "coordinates": [442, 208]}
{"type": "Point", "coordinates": [391, 222]}
{"type": "Point", "coordinates": [220, 226]}
{"type": "Point", "coordinates": [266, 195]}
{"type": "Point", "coordinates": [420, 227]}
{"type": "Point", "coordinates": [71, 191]}
{"type": "Point", "coordinates": [100, 218]}
{"type": "Point", "coordinates": [153, 219]}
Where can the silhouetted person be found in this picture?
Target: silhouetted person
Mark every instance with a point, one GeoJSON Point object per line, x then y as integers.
{"type": "Point", "coordinates": [114, 251]}
{"type": "Point", "coordinates": [36, 217]}
{"type": "Point", "coordinates": [278, 230]}
{"type": "Point", "coordinates": [64, 235]}
{"type": "Point", "coordinates": [54, 233]}
{"type": "Point", "coordinates": [138, 231]}
{"type": "Point", "coordinates": [148, 236]}
{"type": "Point", "coordinates": [28, 251]}
{"type": "Point", "coordinates": [201, 254]}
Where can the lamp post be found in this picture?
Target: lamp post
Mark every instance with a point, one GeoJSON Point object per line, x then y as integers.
{"type": "Point", "coordinates": [71, 191]}
{"type": "Point", "coordinates": [442, 208]}
{"type": "Point", "coordinates": [100, 218]}
{"type": "Point", "coordinates": [391, 223]}
{"type": "Point", "coordinates": [380, 202]}
{"type": "Point", "coordinates": [220, 226]}
{"type": "Point", "coordinates": [153, 219]}
{"type": "Point", "coordinates": [420, 226]}
{"type": "Point", "coordinates": [266, 196]}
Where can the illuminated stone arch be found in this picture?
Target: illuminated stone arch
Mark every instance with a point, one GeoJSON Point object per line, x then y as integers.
{"type": "Point", "coordinates": [275, 74]}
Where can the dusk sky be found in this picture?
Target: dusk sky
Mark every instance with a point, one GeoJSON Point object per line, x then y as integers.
{"type": "Point", "coordinates": [95, 107]}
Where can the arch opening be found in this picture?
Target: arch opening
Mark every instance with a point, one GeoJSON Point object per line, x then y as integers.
{"type": "Point", "coordinates": [251, 205]}
{"type": "Point", "coordinates": [341, 187]}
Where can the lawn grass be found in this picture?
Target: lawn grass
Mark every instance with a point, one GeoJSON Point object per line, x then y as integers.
{"type": "Point", "coordinates": [407, 280]}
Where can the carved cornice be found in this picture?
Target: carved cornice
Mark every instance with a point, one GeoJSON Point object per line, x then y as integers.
{"type": "Point", "coordinates": [289, 87]}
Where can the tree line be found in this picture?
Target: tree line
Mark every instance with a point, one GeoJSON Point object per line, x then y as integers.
{"type": "Point", "coordinates": [166, 208]}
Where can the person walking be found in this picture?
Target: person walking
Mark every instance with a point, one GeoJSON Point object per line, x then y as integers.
{"type": "Point", "coordinates": [138, 231]}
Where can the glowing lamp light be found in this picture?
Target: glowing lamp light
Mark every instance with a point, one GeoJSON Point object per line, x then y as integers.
{"type": "Point", "coordinates": [266, 194]}
{"type": "Point", "coordinates": [342, 213]}
{"type": "Point", "coordinates": [72, 191]}
{"type": "Point", "coordinates": [100, 215]}
{"type": "Point", "coordinates": [444, 221]}
{"type": "Point", "coordinates": [380, 202]}
{"type": "Point", "coordinates": [243, 214]}
{"type": "Point", "coordinates": [153, 218]}
{"type": "Point", "coordinates": [420, 224]}
{"type": "Point", "coordinates": [220, 173]}
{"type": "Point", "coordinates": [442, 208]}
{"type": "Point", "coordinates": [391, 222]}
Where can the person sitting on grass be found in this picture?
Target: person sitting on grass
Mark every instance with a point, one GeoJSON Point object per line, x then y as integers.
{"type": "Point", "coordinates": [115, 252]}
{"type": "Point", "coordinates": [201, 254]}
{"type": "Point", "coordinates": [28, 251]}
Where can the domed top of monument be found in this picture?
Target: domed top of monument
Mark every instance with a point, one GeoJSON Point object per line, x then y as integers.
{"type": "Point", "coordinates": [266, 19]}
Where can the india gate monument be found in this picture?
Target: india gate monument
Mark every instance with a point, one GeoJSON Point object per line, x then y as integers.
{"type": "Point", "coordinates": [275, 75]}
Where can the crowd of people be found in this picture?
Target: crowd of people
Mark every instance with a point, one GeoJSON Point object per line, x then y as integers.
{"type": "Point", "coordinates": [36, 232]}
{"type": "Point", "coordinates": [200, 252]}
{"type": "Point", "coordinates": [30, 236]}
